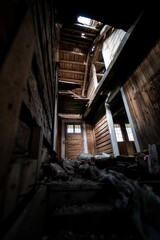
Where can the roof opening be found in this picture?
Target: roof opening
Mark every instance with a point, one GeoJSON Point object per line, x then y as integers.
{"type": "Point", "coordinates": [84, 20]}
{"type": "Point", "coordinates": [88, 22]}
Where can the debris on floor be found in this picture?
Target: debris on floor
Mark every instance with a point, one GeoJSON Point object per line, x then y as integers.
{"type": "Point", "coordinates": [93, 198]}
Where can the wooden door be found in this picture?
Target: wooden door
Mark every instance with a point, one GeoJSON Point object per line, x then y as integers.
{"type": "Point", "coordinates": [74, 144]}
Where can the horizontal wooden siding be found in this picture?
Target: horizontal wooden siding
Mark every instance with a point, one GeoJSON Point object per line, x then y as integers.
{"type": "Point", "coordinates": [102, 136]}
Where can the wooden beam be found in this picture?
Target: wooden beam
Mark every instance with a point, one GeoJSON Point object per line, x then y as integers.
{"type": "Point", "coordinates": [113, 95]}
{"type": "Point", "coordinates": [76, 36]}
{"type": "Point", "coordinates": [99, 63]}
{"type": "Point", "coordinates": [87, 27]}
{"type": "Point", "coordinates": [61, 43]}
{"type": "Point", "coordinates": [118, 111]}
{"type": "Point", "coordinates": [72, 62]}
{"type": "Point", "coordinates": [85, 43]}
{"type": "Point", "coordinates": [78, 81]}
{"type": "Point", "coordinates": [68, 85]}
{"type": "Point", "coordinates": [71, 52]}
{"type": "Point", "coordinates": [78, 31]}
{"type": "Point", "coordinates": [64, 82]}
{"type": "Point", "coordinates": [71, 71]}
{"type": "Point", "coordinates": [85, 76]}
{"type": "Point", "coordinates": [64, 93]}
{"type": "Point", "coordinates": [99, 74]}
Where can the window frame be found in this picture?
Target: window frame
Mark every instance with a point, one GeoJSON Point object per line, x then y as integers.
{"type": "Point", "coordinates": [74, 128]}
{"type": "Point", "coordinates": [118, 132]}
{"type": "Point", "coordinates": [129, 132]}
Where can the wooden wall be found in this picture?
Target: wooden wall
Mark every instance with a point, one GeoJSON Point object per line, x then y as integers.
{"type": "Point", "coordinates": [110, 46]}
{"type": "Point", "coordinates": [90, 139]}
{"type": "Point", "coordinates": [14, 71]}
{"type": "Point", "coordinates": [27, 96]}
{"type": "Point", "coordinates": [101, 131]}
{"type": "Point", "coordinates": [102, 136]}
{"type": "Point", "coordinates": [126, 148]}
{"type": "Point", "coordinates": [142, 93]}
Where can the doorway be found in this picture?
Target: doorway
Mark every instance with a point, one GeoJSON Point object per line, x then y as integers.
{"type": "Point", "coordinates": [73, 138]}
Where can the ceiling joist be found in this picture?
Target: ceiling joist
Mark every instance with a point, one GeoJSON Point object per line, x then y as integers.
{"type": "Point", "coordinates": [72, 52]}
{"type": "Point", "coordinates": [71, 71]}
{"type": "Point", "coordinates": [73, 62]}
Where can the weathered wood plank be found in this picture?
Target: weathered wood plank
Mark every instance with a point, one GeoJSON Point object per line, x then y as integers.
{"type": "Point", "coordinates": [102, 135]}
{"type": "Point", "coordinates": [13, 74]}
{"type": "Point", "coordinates": [30, 224]}
{"type": "Point", "coordinates": [142, 93]}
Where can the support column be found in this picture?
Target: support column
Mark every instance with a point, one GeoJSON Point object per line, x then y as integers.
{"type": "Point", "coordinates": [112, 130]}
{"type": "Point", "coordinates": [130, 120]}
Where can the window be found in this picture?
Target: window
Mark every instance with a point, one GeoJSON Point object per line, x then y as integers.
{"type": "Point", "coordinates": [118, 133]}
{"type": "Point", "coordinates": [70, 128]}
{"type": "Point", "coordinates": [77, 129]}
{"type": "Point", "coordinates": [129, 132]}
{"type": "Point", "coordinates": [73, 128]}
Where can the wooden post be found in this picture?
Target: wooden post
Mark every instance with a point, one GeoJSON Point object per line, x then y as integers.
{"type": "Point", "coordinates": [153, 159]}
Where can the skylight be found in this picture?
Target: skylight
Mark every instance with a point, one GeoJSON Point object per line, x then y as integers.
{"type": "Point", "coordinates": [84, 20]}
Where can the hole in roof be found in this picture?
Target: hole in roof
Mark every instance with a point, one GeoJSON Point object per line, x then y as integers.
{"type": "Point", "coordinates": [89, 22]}
{"type": "Point", "coordinates": [84, 20]}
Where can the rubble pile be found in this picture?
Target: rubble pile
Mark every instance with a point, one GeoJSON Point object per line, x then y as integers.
{"type": "Point", "coordinates": [90, 166]}
{"type": "Point", "coordinates": [101, 201]}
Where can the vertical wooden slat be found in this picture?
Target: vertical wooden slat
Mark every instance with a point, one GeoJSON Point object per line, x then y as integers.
{"type": "Point", "coordinates": [142, 93]}
{"type": "Point", "coordinates": [90, 139]}
{"type": "Point", "coordinates": [85, 77]}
